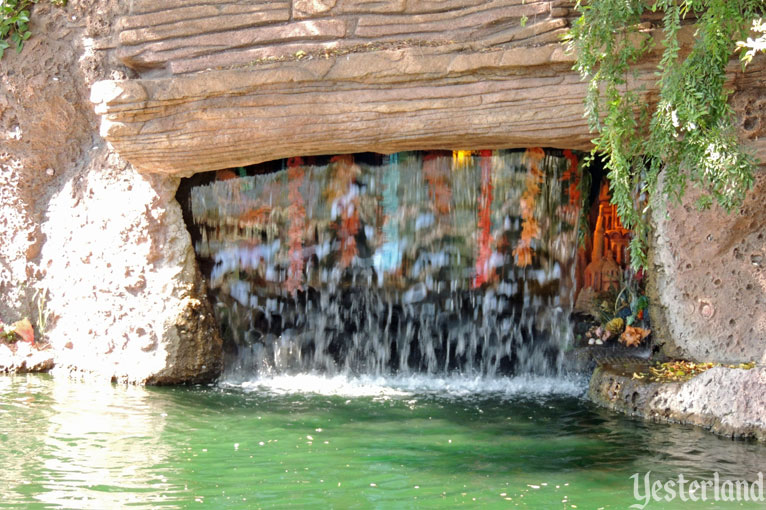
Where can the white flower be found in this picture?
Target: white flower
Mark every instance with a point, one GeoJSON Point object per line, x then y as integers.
{"type": "Point", "coordinates": [712, 153]}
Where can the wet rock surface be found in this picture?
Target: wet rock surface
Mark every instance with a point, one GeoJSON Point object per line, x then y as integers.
{"type": "Point", "coordinates": [21, 358]}
{"type": "Point", "coordinates": [727, 401]}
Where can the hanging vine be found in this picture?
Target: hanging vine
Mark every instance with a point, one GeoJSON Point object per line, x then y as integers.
{"type": "Point", "coordinates": [14, 22]}
{"type": "Point", "coordinates": [689, 134]}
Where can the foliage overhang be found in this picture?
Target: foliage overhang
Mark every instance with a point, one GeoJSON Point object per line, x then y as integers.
{"type": "Point", "coordinates": [689, 133]}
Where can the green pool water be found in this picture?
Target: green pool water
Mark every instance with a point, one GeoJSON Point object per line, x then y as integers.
{"type": "Point", "coordinates": [337, 443]}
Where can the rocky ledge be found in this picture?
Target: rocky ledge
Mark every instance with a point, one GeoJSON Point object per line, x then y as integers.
{"type": "Point", "coordinates": [21, 358]}
{"type": "Point", "coordinates": [727, 401]}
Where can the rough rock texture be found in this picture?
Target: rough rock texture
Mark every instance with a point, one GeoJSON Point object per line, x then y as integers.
{"type": "Point", "coordinates": [188, 36]}
{"type": "Point", "coordinates": [749, 102]}
{"type": "Point", "coordinates": [187, 86]}
{"type": "Point", "coordinates": [386, 101]}
{"type": "Point", "coordinates": [44, 124]}
{"type": "Point", "coordinates": [21, 358]}
{"type": "Point", "coordinates": [107, 245]}
{"type": "Point", "coordinates": [729, 402]}
{"type": "Point", "coordinates": [226, 84]}
{"type": "Point", "coordinates": [144, 318]}
{"type": "Point", "coordinates": [708, 280]}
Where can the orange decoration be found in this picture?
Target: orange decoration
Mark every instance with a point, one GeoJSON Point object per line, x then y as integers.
{"type": "Point", "coordinates": [572, 174]}
{"type": "Point", "coordinates": [344, 175]}
{"type": "Point", "coordinates": [523, 255]}
{"type": "Point", "coordinates": [618, 237]}
{"type": "Point", "coordinates": [633, 336]}
{"type": "Point", "coordinates": [610, 240]}
{"type": "Point", "coordinates": [529, 228]}
{"type": "Point", "coordinates": [439, 190]}
{"type": "Point", "coordinates": [225, 175]}
{"type": "Point", "coordinates": [254, 217]}
{"type": "Point", "coordinates": [602, 273]}
{"type": "Point", "coordinates": [485, 221]}
{"type": "Point", "coordinates": [297, 213]}
{"type": "Point", "coordinates": [24, 329]}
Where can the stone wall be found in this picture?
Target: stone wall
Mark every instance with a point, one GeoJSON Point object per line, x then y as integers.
{"type": "Point", "coordinates": [730, 402]}
{"type": "Point", "coordinates": [708, 279]}
{"type": "Point", "coordinates": [709, 267]}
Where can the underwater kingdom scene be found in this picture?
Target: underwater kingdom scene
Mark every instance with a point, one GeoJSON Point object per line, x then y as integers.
{"type": "Point", "coordinates": [434, 262]}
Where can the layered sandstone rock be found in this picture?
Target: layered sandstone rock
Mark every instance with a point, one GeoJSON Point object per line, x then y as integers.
{"type": "Point", "coordinates": [190, 36]}
{"type": "Point", "coordinates": [385, 101]}
{"type": "Point", "coordinates": [227, 84]}
{"type": "Point", "coordinates": [322, 77]}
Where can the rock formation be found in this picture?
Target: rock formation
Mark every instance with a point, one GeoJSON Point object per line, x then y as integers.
{"type": "Point", "coordinates": [184, 86]}
{"type": "Point", "coordinates": [728, 401]}
{"type": "Point", "coordinates": [708, 280]}
{"type": "Point", "coordinates": [106, 244]}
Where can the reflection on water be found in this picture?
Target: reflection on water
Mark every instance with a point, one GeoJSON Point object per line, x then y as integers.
{"type": "Point", "coordinates": [421, 262]}
{"type": "Point", "coordinates": [400, 442]}
{"type": "Point", "coordinates": [78, 446]}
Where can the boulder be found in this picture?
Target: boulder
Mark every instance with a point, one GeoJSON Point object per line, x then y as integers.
{"type": "Point", "coordinates": [128, 299]}
{"type": "Point", "coordinates": [727, 401]}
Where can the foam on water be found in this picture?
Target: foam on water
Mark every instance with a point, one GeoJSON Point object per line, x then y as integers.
{"type": "Point", "coordinates": [449, 387]}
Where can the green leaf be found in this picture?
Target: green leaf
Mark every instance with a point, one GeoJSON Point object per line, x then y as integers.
{"type": "Point", "coordinates": [691, 132]}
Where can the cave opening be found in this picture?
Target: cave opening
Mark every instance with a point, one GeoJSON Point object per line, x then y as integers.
{"type": "Point", "coordinates": [436, 262]}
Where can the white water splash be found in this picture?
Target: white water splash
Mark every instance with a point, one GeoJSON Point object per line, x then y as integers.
{"type": "Point", "coordinates": [417, 384]}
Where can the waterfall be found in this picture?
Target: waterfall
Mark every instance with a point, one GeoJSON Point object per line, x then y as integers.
{"type": "Point", "coordinates": [416, 263]}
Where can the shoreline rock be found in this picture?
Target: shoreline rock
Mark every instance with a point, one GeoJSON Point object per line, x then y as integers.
{"type": "Point", "coordinates": [729, 402]}
{"type": "Point", "coordinates": [23, 358]}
